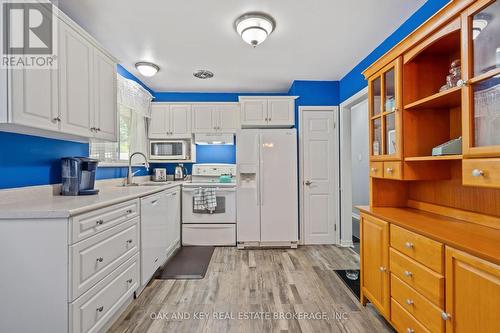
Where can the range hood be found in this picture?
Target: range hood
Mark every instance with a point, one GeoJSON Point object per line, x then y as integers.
{"type": "Point", "coordinates": [214, 139]}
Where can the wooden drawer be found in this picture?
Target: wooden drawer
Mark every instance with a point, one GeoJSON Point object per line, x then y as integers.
{"type": "Point", "coordinates": [417, 305]}
{"type": "Point", "coordinates": [88, 224]}
{"type": "Point", "coordinates": [377, 169]}
{"type": "Point", "coordinates": [94, 258]}
{"type": "Point", "coordinates": [424, 280]}
{"type": "Point", "coordinates": [393, 170]}
{"type": "Point", "coordinates": [483, 172]}
{"type": "Point", "coordinates": [95, 308]}
{"type": "Point", "coordinates": [422, 249]}
{"type": "Point", "coordinates": [404, 321]}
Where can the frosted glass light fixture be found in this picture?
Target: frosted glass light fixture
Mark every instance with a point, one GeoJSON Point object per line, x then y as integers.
{"type": "Point", "coordinates": [147, 68]}
{"type": "Point", "coordinates": [254, 28]}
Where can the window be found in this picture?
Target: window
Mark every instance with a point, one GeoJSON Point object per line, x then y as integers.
{"type": "Point", "coordinates": [133, 110]}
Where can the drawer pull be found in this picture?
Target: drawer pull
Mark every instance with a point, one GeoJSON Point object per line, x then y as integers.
{"type": "Point", "coordinates": [156, 259]}
{"type": "Point", "coordinates": [409, 245]}
{"type": "Point", "coordinates": [129, 241]}
{"type": "Point", "coordinates": [408, 273]}
{"type": "Point", "coordinates": [154, 202]}
{"type": "Point", "coordinates": [129, 211]}
{"type": "Point", "coordinates": [100, 259]}
{"type": "Point", "coordinates": [477, 173]}
{"type": "Point", "coordinates": [445, 316]}
{"type": "Point", "coordinates": [129, 281]}
{"type": "Point", "coordinates": [390, 170]}
{"type": "Point", "coordinates": [374, 170]}
{"type": "Point", "coordinates": [410, 330]}
{"type": "Point", "coordinates": [409, 301]}
{"type": "Point", "coordinates": [100, 309]}
{"type": "Point", "coordinates": [99, 222]}
{"type": "Point", "coordinates": [382, 269]}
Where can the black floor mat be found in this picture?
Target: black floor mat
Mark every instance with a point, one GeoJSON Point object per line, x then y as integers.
{"type": "Point", "coordinates": [353, 285]}
{"type": "Point", "coordinates": [190, 262]}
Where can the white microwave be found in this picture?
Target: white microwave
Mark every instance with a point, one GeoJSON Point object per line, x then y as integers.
{"type": "Point", "coordinates": [168, 149]}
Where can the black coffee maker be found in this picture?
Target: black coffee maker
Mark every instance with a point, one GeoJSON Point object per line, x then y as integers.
{"type": "Point", "coordinates": [78, 176]}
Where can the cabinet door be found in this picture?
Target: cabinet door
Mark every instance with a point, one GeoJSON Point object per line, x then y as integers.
{"type": "Point", "coordinates": [105, 115]}
{"type": "Point", "coordinates": [228, 117]}
{"type": "Point", "coordinates": [281, 112]}
{"type": "Point", "coordinates": [204, 118]}
{"type": "Point", "coordinates": [254, 112]}
{"type": "Point", "coordinates": [31, 105]}
{"type": "Point", "coordinates": [180, 121]}
{"type": "Point", "coordinates": [385, 113]}
{"type": "Point", "coordinates": [159, 122]}
{"type": "Point", "coordinates": [174, 219]}
{"type": "Point", "coordinates": [481, 70]}
{"type": "Point", "coordinates": [76, 84]}
{"type": "Point", "coordinates": [472, 293]}
{"type": "Point", "coordinates": [375, 263]}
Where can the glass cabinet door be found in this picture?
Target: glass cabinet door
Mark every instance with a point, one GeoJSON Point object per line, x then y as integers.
{"type": "Point", "coordinates": [482, 111]}
{"type": "Point", "coordinates": [384, 112]}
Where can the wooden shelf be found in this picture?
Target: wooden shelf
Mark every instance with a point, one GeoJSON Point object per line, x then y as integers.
{"type": "Point", "coordinates": [447, 99]}
{"type": "Point", "coordinates": [433, 158]}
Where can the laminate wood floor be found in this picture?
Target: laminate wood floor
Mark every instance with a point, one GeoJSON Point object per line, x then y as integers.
{"type": "Point", "coordinates": [270, 290]}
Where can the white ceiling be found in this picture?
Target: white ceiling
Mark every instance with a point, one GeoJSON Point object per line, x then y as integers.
{"type": "Point", "coordinates": [313, 40]}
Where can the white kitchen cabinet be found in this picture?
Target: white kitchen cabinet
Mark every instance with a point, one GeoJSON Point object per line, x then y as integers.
{"type": "Point", "coordinates": [78, 99]}
{"type": "Point", "coordinates": [216, 118]}
{"type": "Point", "coordinates": [170, 121]}
{"type": "Point", "coordinates": [267, 111]}
{"type": "Point", "coordinates": [173, 221]}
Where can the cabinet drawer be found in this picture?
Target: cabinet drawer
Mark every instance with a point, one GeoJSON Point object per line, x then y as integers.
{"type": "Point", "coordinates": [209, 234]}
{"type": "Point", "coordinates": [417, 305]}
{"type": "Point", "coordinates": [89, 224]}
{"type": "Point", "coordinates": [393, 170]}
{"type": "Point", "coordinates": [424, 280]}
{"type": "Point", "coordinates": [481, 172]}
{"type": "Point", "coordinates": [95, 257]}
{"type": "Point", "coordinates": [422, 249]}
{"type": "Point", "coordinates": [404, 321]}
{"type": "Point", "coordinates": [95, 308]}
{"type": "Point", "coordinates": [377, 169]}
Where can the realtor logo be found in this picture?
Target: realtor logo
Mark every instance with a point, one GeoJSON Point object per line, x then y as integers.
{"type": "Point", "coordinates": [28, 34]}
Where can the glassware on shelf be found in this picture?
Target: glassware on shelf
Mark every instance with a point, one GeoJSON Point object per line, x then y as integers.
{"type": "Point", "coordinates": [454, 76]}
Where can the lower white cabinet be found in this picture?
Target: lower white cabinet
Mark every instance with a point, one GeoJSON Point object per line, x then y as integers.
{"type": "Point", "coordinates": [160, 223]}
{"type": "Point", "coordinates": [209, 234]}
{"type": "Point", "coordinates": [92, 311]}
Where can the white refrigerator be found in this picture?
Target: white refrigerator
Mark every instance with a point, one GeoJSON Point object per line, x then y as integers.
{"type": "Point", "coordinates": [267, 199]}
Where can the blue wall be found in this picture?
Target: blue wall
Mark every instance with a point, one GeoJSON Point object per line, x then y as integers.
{"type": "Point", "coordinates": [354, 81]}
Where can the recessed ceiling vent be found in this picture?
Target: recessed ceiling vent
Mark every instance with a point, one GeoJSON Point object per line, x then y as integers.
{"type": "Point", "coordinates": [203, 74]}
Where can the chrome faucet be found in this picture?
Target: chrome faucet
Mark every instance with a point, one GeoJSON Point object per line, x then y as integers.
{"type": "Point", "coordinates": [130, 175]}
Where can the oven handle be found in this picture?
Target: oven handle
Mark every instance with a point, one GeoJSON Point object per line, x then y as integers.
{"type": "Point", "coordinates": [218, 189]}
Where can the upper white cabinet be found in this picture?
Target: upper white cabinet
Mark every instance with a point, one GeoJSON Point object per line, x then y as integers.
{"type": "Point", "coordinates": [216, 118]}
{"type": "Point", "coordinates": [76, 99]}
{"type": "Point", "coordinates": [170, 121]}
{"type": "Point", "coordinates": [264, 111]}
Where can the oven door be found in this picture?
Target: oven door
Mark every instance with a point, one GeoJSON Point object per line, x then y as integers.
{"type": "Point", "coordinates": [167, 150]}
{"type": "Point", "coordinates": [225, 212]}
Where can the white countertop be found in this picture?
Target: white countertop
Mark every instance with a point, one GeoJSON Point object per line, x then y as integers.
{"type": "Point", "coordinates": [41, 202]}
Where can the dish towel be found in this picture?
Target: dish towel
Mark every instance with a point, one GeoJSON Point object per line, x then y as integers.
{"type": "Point", "coordinates": [210, 199]}
{"type": "Point", "coordinates": [199, 199]}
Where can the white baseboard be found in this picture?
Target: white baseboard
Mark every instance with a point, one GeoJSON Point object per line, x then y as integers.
{"type": "Point", "coordinates": [346, 243]}
{"type": "Point", "coordinates": [356, 216]}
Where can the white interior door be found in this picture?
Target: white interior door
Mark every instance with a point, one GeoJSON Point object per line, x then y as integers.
{"type": "Point", "coordinates": [318, 188]}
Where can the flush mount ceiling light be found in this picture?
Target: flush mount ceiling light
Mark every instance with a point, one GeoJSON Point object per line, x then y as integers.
{"type": "Point", "coordinates": [479, 23]}
{"type": "Point", "coordinates": [147, 68]}
{"type": "Point", "coordinates": [254, 28]}
{"type": "Point", "coordinates": [203, 74]}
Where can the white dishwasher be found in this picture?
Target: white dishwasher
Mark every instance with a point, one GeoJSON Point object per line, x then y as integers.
{"type": "Point", "coordinates": [154, 234]}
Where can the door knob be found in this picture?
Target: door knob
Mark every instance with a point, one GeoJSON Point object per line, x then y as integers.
{"type": "Point", "coordinates": [308, 182]}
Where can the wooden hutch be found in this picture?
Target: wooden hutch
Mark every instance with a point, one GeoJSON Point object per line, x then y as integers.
{"type": "Point", "coordinates": [430, 239]}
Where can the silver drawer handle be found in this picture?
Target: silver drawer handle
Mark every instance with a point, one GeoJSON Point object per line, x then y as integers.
{"type": "Point", "coordinates": [410, 330]}
{"type": "Point", "coordinates": [154, 202]}
{"type": "Point", "coordinates": [100, 259]}
{"type": "Point", "coordinates": [409, 301]}
{"type": "Point", "coordinates": [175, 193]}
{"type": "Point", "coordinates": [445, 316]}
{"type": "Point", "coordinates": [408, 273]}
{"type": "Point", "coordinates": [382, 269]}
{"type": "Point", "coordinates": [129, 241]}
{"type": "Point", "coordinates": [156, 259]}
{"type": "Point", "coordinates": [477, 173]}
{"type": "Point", "coordinates": [374, 169]}
{"type": "Point", "coordinates": [129, 211]}
{"type": "Point", "coordinates": [129, 281]}
{"type": "Point", "coordinates": [390, 170]}
{"type": "Point", "coordinates": [99, 222]}
{"type": "Point", "coordinates": [409, 245]}
{"type": "Point", "coordinates": [100, 309]}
